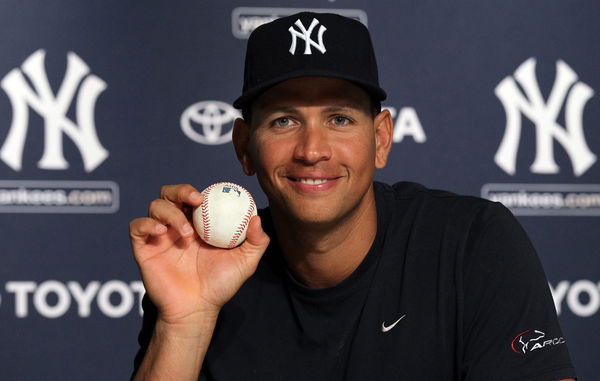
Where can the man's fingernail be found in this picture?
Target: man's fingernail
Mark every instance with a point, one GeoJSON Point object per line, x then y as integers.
{"type": "Point", "coordinates": [197, 196]}
{"type": "Point", "coordinates": [160, 229]}
{"type": "Point", "coordinates": [187, 229]}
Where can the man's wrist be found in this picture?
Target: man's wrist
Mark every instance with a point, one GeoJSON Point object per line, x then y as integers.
{"type": "Point", "coordinates": [195, 326]}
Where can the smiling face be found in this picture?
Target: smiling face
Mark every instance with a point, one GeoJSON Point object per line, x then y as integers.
{"type": "Point", "coordinates": [314, 144]}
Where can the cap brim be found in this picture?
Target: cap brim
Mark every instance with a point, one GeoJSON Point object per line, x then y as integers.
{"type": "Point", "coordinates": [376, 93]}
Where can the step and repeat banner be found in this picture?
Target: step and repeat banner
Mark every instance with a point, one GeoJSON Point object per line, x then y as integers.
{"type": "Point", "coordinates": [102, 102]}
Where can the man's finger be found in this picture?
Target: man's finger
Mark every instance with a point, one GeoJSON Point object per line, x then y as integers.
{"type": "Point", "coordinates": [256, 241]}
{"type": "Point", "coordinates": [168, 214]}
{"type": "Point", "coordinates": [181, 194]}
{"type": "Point", "coordinates": [141, 228]}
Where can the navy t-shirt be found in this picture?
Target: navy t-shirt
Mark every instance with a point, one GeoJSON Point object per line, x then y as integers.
{"type": "Point", "coordinates": [451, 289]}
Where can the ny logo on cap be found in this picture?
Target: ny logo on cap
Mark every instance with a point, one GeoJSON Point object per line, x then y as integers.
{"type": "Point", "coordinates": [305, 35]}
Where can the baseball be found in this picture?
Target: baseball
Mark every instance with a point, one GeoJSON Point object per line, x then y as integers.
{"type": "Point", "coordinates": [223, 217]}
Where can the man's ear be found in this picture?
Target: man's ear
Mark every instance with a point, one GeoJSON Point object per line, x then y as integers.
{"type": "Point", "coordinates": [384, 131]}
{"type": "Point", "coordinates": [241, 143]}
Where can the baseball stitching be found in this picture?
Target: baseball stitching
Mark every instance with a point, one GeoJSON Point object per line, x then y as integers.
{"type": "Point", "coordinates": [206, 214]}
{"type": "Point", "coordinates": [245, 221]}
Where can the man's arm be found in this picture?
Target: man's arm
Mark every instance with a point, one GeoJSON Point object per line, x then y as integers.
{"type": "Point", "coordinates": [176, 352]}
{"type": "Point", "coordinates": [508, 307]}
{"type": "Point", "coordinates": [187, 280]}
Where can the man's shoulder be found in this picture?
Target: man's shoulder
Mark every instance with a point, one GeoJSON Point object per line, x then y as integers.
{"type": "Point", "coordinates": [411, 204]}
{"type": "Point", "coordinates": [417, 195]}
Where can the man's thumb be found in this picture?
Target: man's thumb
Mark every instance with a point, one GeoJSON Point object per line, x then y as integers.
{"type": "Point", "coordinates": [256, 239]}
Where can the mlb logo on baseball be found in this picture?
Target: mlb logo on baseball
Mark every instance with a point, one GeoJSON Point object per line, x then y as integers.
{"type": "Point", "coordinates": [229, 189]}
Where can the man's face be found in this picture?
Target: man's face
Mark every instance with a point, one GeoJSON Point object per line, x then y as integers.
{"type": "Point", "coordinates": [314, 144]}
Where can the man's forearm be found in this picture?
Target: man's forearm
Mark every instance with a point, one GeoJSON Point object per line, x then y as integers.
{"type": "Point", "coordinates": [176, 352]}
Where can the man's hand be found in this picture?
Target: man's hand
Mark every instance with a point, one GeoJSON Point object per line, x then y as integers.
{"type": "Point", "coordinates": [188, 280]}
{"type": "Point", "coordinates": [183, 275]}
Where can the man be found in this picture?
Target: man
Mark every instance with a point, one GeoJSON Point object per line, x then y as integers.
{"type": "Point", "coordinates": [358, 280]}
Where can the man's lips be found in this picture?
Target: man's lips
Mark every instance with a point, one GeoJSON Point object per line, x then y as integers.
{"type": "Point", "coordinates": [310, 181]}
{"type": "Point", "coordinates": [313, 183]}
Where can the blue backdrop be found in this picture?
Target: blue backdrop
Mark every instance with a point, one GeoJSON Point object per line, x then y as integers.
{"type": "Point", "coordinates": [102, 102]}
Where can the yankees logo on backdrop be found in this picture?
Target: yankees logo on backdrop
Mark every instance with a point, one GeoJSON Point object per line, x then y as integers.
{"type": "Point", "coordinates": [53, 108]}
{"type": "Point", "coordinates": [565, 91]}
{"type": "Point", "coordinates": [305, 35]}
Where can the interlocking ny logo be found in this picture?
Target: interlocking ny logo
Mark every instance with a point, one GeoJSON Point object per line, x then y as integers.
{"type": "Point", "coordinates": [544, 116]}
{"type": "Point", "coordinates": [53, 108]}
{"type": "Point", "coordinates": [305, 35]}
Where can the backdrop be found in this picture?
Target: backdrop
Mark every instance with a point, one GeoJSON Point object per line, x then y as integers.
{"type": "Point", "coordinates": [102, 102]}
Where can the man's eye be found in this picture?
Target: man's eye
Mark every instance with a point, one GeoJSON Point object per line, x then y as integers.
{"type": "Point", "coordinates": [282, 122]}
{"type": "Point", "coordinates": [341, 120]}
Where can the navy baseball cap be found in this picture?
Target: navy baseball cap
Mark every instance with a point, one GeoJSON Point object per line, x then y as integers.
{"type": "Point", "coordinates": [309, 44]}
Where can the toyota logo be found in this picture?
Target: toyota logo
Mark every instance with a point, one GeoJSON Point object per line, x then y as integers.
{"type": "Point", "coordinates": [209, 117]}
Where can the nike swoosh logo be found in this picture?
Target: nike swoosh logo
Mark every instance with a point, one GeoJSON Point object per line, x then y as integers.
{"type": "Point", "coordinates": [385, 329]}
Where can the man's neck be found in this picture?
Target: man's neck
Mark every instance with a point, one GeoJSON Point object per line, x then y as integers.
{"type": "Point", "coordinates": [321, 256]}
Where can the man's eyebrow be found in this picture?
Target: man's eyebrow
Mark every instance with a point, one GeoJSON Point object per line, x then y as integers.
{"type": "Point", "coordinates": [286, 109]}
{"type": "Point", "coordinates": [278, 108]}
{"type": "Point", "coordinates": [292, 110]}
{"type": "Point", "coordinates": [346, 107]}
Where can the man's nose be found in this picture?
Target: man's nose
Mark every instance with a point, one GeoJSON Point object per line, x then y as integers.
{"type": "Point", "coordinates": [313, 144]}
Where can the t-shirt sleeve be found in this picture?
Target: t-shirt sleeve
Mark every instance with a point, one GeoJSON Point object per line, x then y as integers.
{"type": "Point", "coordinates": [510, 327]}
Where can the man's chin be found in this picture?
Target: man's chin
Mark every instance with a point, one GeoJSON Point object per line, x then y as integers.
{"type": "Point", "coordinates": [312, 218]}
